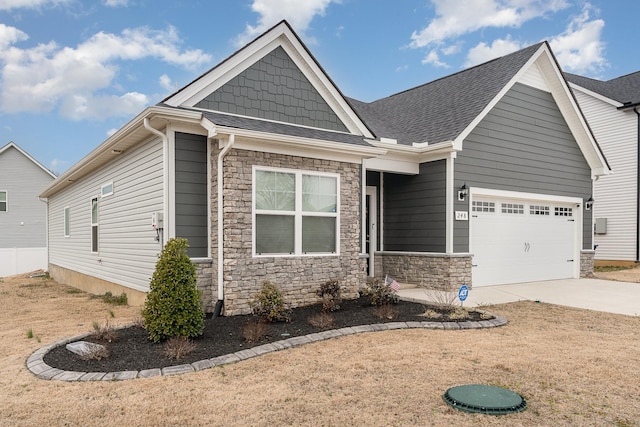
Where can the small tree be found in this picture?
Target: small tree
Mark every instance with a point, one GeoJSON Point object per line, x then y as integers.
{"type": "Point", "coordinates": [173, 307]}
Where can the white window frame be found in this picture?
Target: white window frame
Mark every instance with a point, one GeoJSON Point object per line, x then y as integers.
{"type": "Point", "coordinates": [95, 224]}
{"type": "Point", "coordinates": [106, 186]}
{"type": "Point", "coordinates": [6, 200]}
{"type": "Point", "coordinates": [298, 213]}
{"type": "Point", "coordinates": [67, 221]}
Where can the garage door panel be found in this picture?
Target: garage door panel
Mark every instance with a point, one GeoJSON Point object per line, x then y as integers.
{"type": "Point", "coordinates": [521, 241]}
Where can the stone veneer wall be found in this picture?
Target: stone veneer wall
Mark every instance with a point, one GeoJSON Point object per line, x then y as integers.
{"type": "Point", "coordinates": [298, 276]}
{"type": "Point", "coordinates": [429, 270]}
{"type": "Point", "coordinates": [586, 263]}
{"type": "Point", "coordinates": [204, 271]}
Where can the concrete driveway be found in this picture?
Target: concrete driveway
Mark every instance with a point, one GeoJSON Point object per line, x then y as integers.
{"type": "Point", "coordinates": [592, 294]}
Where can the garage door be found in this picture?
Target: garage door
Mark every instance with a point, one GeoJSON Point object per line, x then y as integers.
{"type": "Point", "coordinates": [516, 241]}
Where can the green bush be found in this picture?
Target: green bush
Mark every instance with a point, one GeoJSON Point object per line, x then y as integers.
{"type": "Point", "coordinates": [379, 293]}
{"type": "Point", "coordinates": [173, 307]}
{"type": "Point", "coordinates": [330, 294]}
{"type": "Point", "coordinates": [269, 303]}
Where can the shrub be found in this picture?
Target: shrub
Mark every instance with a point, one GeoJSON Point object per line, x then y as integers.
{"type": "Point", "coordinates": [254, 330]}
{"type": "Point", "coordinates": [173, 307]}
{"type": "Point", "coordinates": [178, 347]}
{"type": "Point", "coordinates": [322, 320]}
{"type": "Point", "coordinates": [386, 311]}
{"type": "Point", "coordinates": [330, 293]}
{"type": "Point", "coordinates": [109, 298]}
{"type": "Point", "coordinates": [380, 293]}
{"type": "Point", "coordinates": [269, 303]}
{"type": "Point", "coordinates": [106, 332]}
{"type": "Point", "coordinates": [96, 353]}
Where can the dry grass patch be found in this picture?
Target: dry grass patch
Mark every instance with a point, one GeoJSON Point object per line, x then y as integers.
{"type": "Point", "coordinates": [574, 367]}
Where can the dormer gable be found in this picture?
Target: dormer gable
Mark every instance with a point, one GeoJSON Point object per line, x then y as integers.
{"type": "Point", "coordinates": [274, 78]}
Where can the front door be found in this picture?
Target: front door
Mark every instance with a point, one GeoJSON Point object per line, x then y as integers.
{"type": "Point", "coordinates": [371, 235]}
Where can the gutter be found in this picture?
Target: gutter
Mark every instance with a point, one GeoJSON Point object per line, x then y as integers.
{"type": "Point", "coordinates": [220, 260]}
{"type": "Point", "coordinates": [165, 184]}
{"type": "Point", "coordinates": [635, 109]}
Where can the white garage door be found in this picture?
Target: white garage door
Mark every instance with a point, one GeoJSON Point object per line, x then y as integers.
{"type": "Point", "coordinates": [516, 241]}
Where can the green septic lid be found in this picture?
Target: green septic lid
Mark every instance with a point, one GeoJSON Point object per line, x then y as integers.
{"type": "Point", "coordinates": [484, 399]}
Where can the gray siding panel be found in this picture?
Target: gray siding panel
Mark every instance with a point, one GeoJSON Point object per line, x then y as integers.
{"type": "Point", "coordinates": [191, 192]}
{"type": "Point", "coordinates": [274, 89]}
{"type": "Point", "coordinates": [23, 225]}
{"type": "Point", "coordinates": [415, 210]}
{"type": "Point", "coordinates": [525, 145]}
{"type": "Point", "coordinates": [127, 245]}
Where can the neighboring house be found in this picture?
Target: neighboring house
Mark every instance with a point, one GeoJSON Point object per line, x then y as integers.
{"type": "Point", "coordinates": [271, 173]}
{"type": "Point", "coordinates": [23, 217]}
{"type": "Point", "coordinates": [612, 109]}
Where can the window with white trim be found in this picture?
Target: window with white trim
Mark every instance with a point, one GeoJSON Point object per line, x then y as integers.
{"type": "Point", "coordinates": [3, 201]}
{"type": "Point", "coordinates": [296, 212]}
{"type": "Point", "coordinates": [559, 211]}
{"type": "Point", "coordinates": [480, 206]}
{"type": "Point", "coordinates": [513, 208]}
{"type": "Point", "coordinates": [67, 221]}
{"type": "Point", "coordinates": [94, 224]}
{"type": "Point", "coordinates": [106, 189]}
{"type": "Point", "coordinates": [539, 210]}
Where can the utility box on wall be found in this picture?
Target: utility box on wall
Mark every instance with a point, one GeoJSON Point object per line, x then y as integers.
{"type": "Point", "coordinates": [601, 226]}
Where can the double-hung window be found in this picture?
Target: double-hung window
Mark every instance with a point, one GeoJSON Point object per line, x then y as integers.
{"type": "Point", "coordinates": [94, 224]}
{"type": "Point", "coordinates": [295, 212]}
{"type": "Point", "coordinates": [3, 201]}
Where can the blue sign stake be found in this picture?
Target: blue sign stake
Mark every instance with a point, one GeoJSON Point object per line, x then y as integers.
{"type": "Point", "coordinates": [463, 293]}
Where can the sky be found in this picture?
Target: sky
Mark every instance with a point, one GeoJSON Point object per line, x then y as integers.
{"type": "Point", "coordinates": [72, 72]}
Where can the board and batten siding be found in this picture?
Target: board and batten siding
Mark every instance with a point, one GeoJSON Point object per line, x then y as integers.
{"type": "Point", "coordinates": [128, 250]}
{"type": "Point", "coordinates": [191, 195]}
{"type": "Point", "coordinates": [523, 145]}
{"type": "Point", "coordinates": [415, 210]}
{"type": "Point", "coordinates": [615, 195]}
{"type": "Point", "coordinates": [23, 225]}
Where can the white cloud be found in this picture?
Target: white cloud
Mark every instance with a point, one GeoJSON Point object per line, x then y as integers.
{"type": "Point", "coordinates": [434, 59]}
{"type": "Point", "coordinates": [580, 49]}
{"type": "Point", "coordinates": [483, 53]}
{"type": "Point", "coordinates": [78, 80]}
{"type": "Point", "coordinates": [165, 82]}
{"type": "Point", "coordinates": [111, 131]}
{"type": "Point", "coordinates": [29, 4]}
{"type": "Point", "coordinates": [10, 35]}
{"type": "Point", "coordinates": [457, 17]}
{"type": "Point", "coordinates": [116, 3]}
{"type": "Point", "coordinates": [299, 13]}
{"type": "Point", "coordinates": [57, 165]}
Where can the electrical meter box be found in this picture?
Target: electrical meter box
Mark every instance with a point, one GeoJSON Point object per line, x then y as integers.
{"type": "Point", "coordinates": [157, 220]}
{"type": "Point", "coordinates": [601, 226]}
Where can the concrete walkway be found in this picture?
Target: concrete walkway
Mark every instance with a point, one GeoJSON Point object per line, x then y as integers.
{"type": "Point", "coordinates": [592, 294]}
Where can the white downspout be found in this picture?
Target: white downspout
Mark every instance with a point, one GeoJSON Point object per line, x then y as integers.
{"type": "Point", "coordinates": [221, 156]}
{"type": "Point", "coordinates": [165, 181]}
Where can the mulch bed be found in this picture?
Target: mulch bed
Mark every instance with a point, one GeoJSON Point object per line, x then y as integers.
{"type": "Point", "coordinates": [133, 351]}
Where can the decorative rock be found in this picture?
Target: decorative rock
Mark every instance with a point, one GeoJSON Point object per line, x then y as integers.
{"type": "Point", "coordinates": [83, 348]}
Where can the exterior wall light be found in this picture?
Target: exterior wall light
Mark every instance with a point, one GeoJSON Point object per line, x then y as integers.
{"type": "Point", "coordinates": [463, 192]}
{"type": "Point", "coordinates": [589, 204]}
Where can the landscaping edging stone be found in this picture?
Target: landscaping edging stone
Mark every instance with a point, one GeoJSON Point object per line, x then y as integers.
{"type": "Point", "coordinates": [36, 364]}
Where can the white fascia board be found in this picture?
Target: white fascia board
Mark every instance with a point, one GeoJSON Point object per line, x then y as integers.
{"type": "Point", "coordinates": [596, 95]}
{"type": "Point", "coordinates": [127, 136]}
{"type": "Point", "coordinates": [386, 164]}
{"type": "Point", "coordinates": [407, 158]}
{"type": "Point", "coordinates": [573, 116]}
{"type": "Point", "coordinates": [297, 146]}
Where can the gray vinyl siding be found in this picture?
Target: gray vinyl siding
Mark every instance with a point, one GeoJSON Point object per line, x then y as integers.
{"type": "Point", "coordinates": [275, 89]}
{"type": "Point", "coordinates": [525, 145]}
{"type": "Point", "coordinates": [415, 210]}
{"type": "Point", "coordinates": [127, 247]}
{"type": "Point", "coordinates": [23, 225]}
{"type": "Point", "coordinates": [191, 192]}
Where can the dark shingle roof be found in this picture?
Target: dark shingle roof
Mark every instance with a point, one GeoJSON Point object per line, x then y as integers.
{"type": "Point", "coordinates": [624, 89]}
{"type": "Point", "coordinates": [439, 111]}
